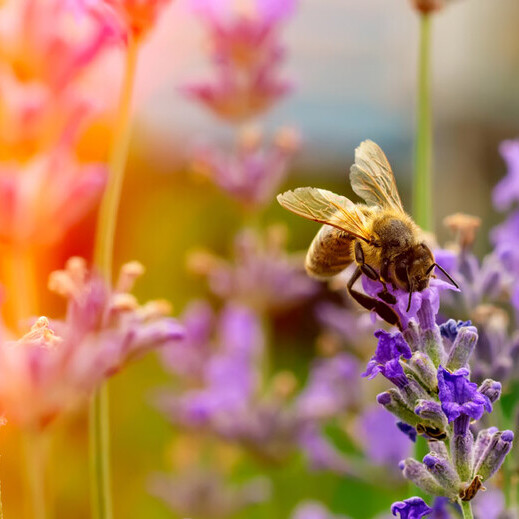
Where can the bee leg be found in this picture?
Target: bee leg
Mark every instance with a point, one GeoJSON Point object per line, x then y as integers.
{"type": "Point", "coordinates": [370, 303]}
{"type": "Point", "coordinates": [384, 278]}
{"type": "Point", "coordinates": [371, 273]}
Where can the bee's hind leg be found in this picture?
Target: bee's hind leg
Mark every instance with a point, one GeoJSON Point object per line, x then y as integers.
{"type": "Point", "coordinates": [370, 303]}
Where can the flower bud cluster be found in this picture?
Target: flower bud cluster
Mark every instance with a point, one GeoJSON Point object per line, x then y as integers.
{"type": "Point", "coordinates": [246, 53]}
{"type": "Point", "coordinates": [433, 397]}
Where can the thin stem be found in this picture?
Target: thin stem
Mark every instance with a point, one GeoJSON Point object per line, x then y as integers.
{"type": "Point", "coordinates": [107, 218]}
{"type": "Point", "coordinates": [35, 467]}
{"type": "Point", "coordinates": [103, 258]}
{"type": "Point", "coordinates": [466, 509]}
{"type": "Point", "coordinates": [100, 455]}
{"type": "Point", "coordinates": [422, 190]}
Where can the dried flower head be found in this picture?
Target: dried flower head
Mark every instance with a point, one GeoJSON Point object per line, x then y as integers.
{"type": "Point", "coordinates": [464, 227]}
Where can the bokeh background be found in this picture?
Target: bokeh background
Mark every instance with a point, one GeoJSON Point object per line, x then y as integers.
{"type": "Point", "coordinates": [354, 67]}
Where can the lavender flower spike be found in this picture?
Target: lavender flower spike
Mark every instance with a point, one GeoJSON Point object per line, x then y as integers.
{"type": "Point", "coordinates": [412, 508]}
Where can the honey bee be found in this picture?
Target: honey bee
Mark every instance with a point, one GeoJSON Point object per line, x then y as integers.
{"type": "Point", "coordinates": [379, 236]}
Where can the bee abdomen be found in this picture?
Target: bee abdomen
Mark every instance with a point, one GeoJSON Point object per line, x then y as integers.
{"type": "Point", "coordinates": [330, 252]}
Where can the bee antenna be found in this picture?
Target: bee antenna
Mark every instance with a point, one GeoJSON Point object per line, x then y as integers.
{"type": "Point", "coordinates": [446, 274]}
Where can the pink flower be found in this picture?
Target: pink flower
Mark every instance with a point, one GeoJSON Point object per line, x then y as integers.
{"type": "Point", "coordinates": [41, 199]}
{"type": "Point", "coordinates": [44, 43]}
{"type": "Point", "coordinates": [56, 366]}
{"type": "Point", "coordinates": [237, 99]}
{"type": "Point", "coordinates": [246, 52]}
{"type": "Point", "coordinates": [253, 173]}
{"type": "Point", "coordinates": [125, 18]}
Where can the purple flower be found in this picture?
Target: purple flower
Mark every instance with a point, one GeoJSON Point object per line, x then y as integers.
{"type": "Point", "coordinates": [507, 191]}
{"type": "Point", "coordinates": [381, 439]}
{"type": "Point", "coordinates": [408, 430]}
{"type": "Point", "coordinates": [391, 347]}
{"type": "Point", "coordinates": [459, 396]}
{"type": "Point", "coordinates": [331, 388]}
{"type": "Point", "coordinates": [412, 508]}
{"type": "Point", "coordinates": [253, 172]}
{"type": "Point", "coordinates": [490, 504]}
{"type": "Point", "coordinates": [263, 276]}
{"type": "Point", "coordinates": [321, 453]}
{"type": "Point", "coordinates": [189, 356]}
{"type": "Point", "coordinates": [431, 294]}
{"type": "Point", "coordinates": [449, 330]}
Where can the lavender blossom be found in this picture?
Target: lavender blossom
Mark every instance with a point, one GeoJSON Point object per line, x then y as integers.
{"type": "Point", "coordinates": [263, 276]}
{"type": "Point", "coordinates": [252, 173]}
{"type": "Point", "coordinates": [376, 424]}
{"type": "Point", "coordinates": [57, 365]}
{"type": "Point", "coordinates": [439, 405]}
{"type": "Point", "coordinates": [268, 420]}
{"type": "Point", "coordinates": [246, 53]}
{"type": "Point", "coordinates": [412, 508]}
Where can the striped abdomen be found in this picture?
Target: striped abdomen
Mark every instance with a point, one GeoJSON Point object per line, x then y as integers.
{"type": "Point", "coordinates": [330, 252]}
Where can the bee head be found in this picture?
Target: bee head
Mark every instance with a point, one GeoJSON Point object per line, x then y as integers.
{"type": "Point", "coordinates": [413, 268]}
{"type": "Point", "coordinates": [420, 268]}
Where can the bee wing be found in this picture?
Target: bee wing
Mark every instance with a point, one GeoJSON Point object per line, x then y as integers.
{"type": "Point", "coordinates": [326, 207]}
{"type": "Point", "coordinates": [372, 179]}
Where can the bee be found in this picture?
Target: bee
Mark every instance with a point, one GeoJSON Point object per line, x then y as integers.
{"type": "Point", "coordinates": [379, 236]}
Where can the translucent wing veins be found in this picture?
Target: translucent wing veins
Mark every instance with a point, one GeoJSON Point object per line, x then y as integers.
{"type": "Point", "coordinates": [326, 207]}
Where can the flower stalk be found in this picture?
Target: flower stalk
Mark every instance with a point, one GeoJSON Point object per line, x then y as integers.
{"type": "Point", "coordinates": [107, 218]}
{"type": "Point", "coordinates": [103, 258]}
{"type": "Point", "coordinates": [34, 450]}
{"type": "Point", "coordinates": [422, 206]}
{"type": "Point", "coordinates": [466, 509]}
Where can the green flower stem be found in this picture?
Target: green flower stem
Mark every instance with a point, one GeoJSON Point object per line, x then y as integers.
{"type": "Point", "coordinates": [34, 450]}
{"type": "Point", "coordinates": [466, 509]}
{"type": "Point", "coordinates": [99, 424]}
{"type": "Point", "coordinates": [422, 189]}
{"type": "Point", "coordinates": [107, 218]}
{"type": "Point", "coordinates": [103, 258]}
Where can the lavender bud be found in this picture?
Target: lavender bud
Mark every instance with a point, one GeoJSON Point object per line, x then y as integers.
{"type": "Point", "coordinates": [421, 367]}
{"type": "Point", "coordinates": [412, 336]}
{"type": "Point", "coordinates": [417, 473]}
{"type": "Point", "coordinates": [439, 448]}
{"type": "Point", "coordinates": [462, 454]}
{"type": "Point", "coordinates": [426, 316]}
{"type": "Point", "coordinates": [432, 412]}
{"type": "Point", "coordinates": [462, 348]}
{"type": "Point", "coordinates": [491, 389]}
{"type": "Point", "coordinates": [482, 442]}
{"type": "Point", "coordinates": [432, 346]}
{"type": "Point", "coordinates": [444, 473]}
{"type": "Point", "coordinates": [413, 392]}
{"type": "Point", "coordinates": [494, 455]}
{"type": "Point", "coordinates": [392, 400]}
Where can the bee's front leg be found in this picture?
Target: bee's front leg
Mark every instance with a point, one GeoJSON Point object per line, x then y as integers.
{"type": "Point", "coordinates": [370, 303]}
{"type": "Point", "coordinates": [371, 273]}
{"type": "Point", "coordinates": [385, 278]}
